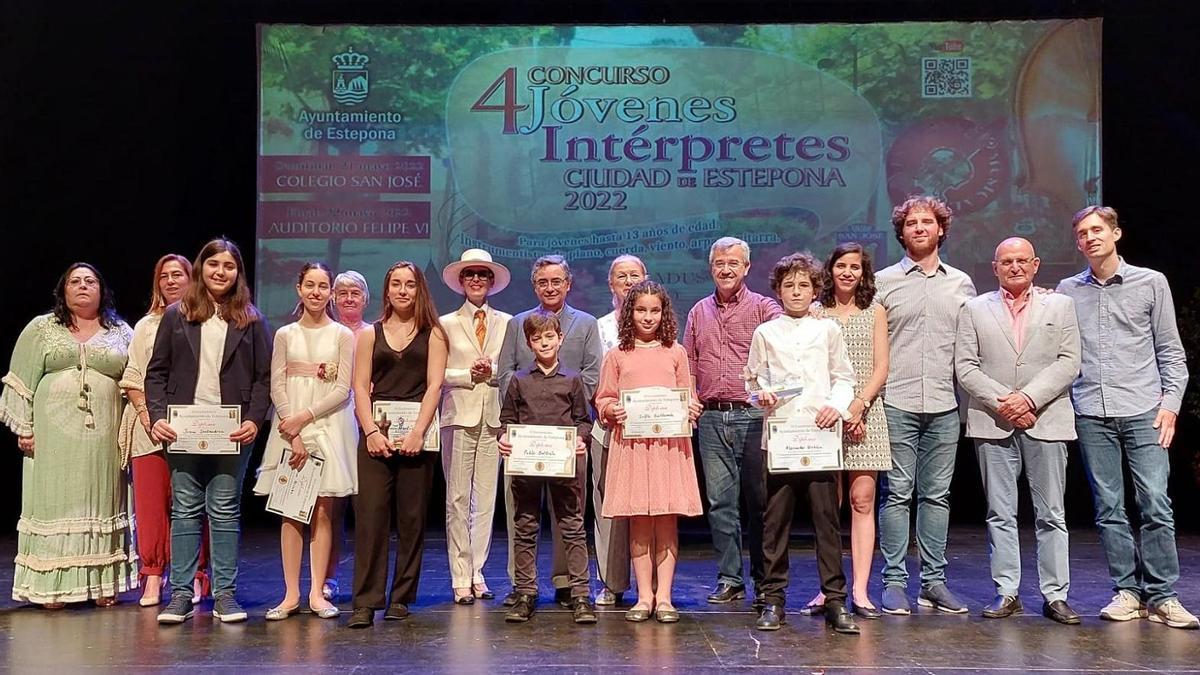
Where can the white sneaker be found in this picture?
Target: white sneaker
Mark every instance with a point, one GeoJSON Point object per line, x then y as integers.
{"type": "Point", "coordinates": [1172, 613]}
{"type": "Point", "coordinates": [1125, 606]}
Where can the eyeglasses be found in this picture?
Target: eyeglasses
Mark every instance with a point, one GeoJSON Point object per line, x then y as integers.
{"type": "Point", "coordinates": [1015, 262]}
{"type": "Point", "coordinates": [557, 282]}
{"type": "Point", "coordinates": [625, 277]}
{"type": "Point", "coordinates": [484, 274]}
{"type": "Point", "coordinates": [76, 282]}
{"type": "Point", "coordinates": [349, 293]}
{"type": "Point", "coordinates": [734, 265]}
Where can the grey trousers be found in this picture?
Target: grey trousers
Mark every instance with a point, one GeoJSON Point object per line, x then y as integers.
{"type": "Point", "coordinates": [1045, 465]}
{"type": "Point", "coordinates": [612, 534]}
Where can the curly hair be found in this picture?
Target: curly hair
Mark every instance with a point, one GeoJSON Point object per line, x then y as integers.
{"type": "Point", "coordinates": [801, 263]}
{"type": "Point", "coordinates": [940, 211]}
{"type": "Point", "coordinates": [864, 293]}
{"type": "Point", "coordinates": [668, 328]}
{"type": "Point", "coordinates": [108, 308]}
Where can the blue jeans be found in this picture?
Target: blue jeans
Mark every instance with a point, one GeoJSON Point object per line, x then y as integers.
{"type": "Point", "coordinates": [201, 485]}
{"type": "Point", "coordinates": [732, 455]}
{"type": "Point", "coordinates": [924, 446]}
{"type": "Point", "coordinates": [1150, 573]}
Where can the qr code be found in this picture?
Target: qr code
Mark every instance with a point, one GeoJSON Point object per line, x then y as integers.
{"type": "Point", "coordinates": [943, 77]}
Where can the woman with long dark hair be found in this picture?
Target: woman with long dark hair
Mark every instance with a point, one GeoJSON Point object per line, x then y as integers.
{"type": "Point", "coordinates": [402, 359]}
{"type": "Point", "coordinates": [848, 295]}
{"type": "Point", "coordinates": [310, 386]}
{"type": "Point", "coordinates": [212, 348]}
{"type": "Point", "coordinates": [62, 401]}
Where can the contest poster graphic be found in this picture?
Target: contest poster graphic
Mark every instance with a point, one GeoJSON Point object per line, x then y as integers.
{"type": "Point", "coordinates": [383, 143]}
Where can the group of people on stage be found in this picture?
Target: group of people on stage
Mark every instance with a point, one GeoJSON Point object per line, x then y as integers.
{"type": "Point", "coordinates": [880, 353]}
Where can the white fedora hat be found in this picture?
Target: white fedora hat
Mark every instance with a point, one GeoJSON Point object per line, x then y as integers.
{"type": "Point", "coordinates": [476, 257]}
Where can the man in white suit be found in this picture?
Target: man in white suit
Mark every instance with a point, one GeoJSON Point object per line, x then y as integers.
{"type": "Point", "coordinates": [581, 352]}
{"type": "Point", "coordinates": [1016, 354]}
{"type": "Point", "coordinates": [470, 418]}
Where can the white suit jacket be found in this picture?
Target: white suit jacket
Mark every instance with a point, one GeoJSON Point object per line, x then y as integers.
{"type": "Point", "coordinates": [465, 403]}
{"type": "Point", "coordinates": [989, 366]}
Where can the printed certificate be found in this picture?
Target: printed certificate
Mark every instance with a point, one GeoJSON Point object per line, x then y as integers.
{"type": "Point", "coordinates": [796, 444]}
{"type": "Point", "coordinates": [204, 429]}
{"type": "Point", "coordinates": [656, 412]}
{"type": "Point", "coordinates": [294, 493]}
{"type": "Point", "coordinates": [541, 451]}
{"type": "Point", "coordinates": [396, 419]}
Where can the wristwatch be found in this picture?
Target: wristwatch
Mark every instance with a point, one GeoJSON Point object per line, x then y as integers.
{"type": "Point", "coordinates": [865, 402]}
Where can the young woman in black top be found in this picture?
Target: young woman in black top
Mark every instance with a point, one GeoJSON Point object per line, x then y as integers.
{"type": "Point", "coordinates": [403, 358]}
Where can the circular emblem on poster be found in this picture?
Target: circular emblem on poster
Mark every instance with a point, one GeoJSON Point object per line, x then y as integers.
{"type": "Point", "coordinates": [956, 159]}
{"type": "Point", "coordinates": [203, 445]}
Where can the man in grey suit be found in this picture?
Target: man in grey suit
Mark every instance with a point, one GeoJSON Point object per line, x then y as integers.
{"type": "Point", "coordinates": [581, 352]}
{"type": "Point", "coordinates": [1016, 355]}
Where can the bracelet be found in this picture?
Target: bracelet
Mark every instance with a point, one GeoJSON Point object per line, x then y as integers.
{"type": "Point", "coordinates": [140, 408]}
{"type": "Point", "coordinates": [865, 402]}
{"type": "Point", "coordinates": [374, 431]}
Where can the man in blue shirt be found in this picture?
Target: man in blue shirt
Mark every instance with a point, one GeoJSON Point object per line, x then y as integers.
{"type": "Point", "coordinates": [1126, 399]}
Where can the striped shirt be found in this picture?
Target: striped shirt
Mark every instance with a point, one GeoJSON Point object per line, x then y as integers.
{"type": "Point", "coordinates": [1133, 358]}
{"type": "Point", "coordinates": [922, 314]}
{"type": "Point", "coordinates": [717, 341]}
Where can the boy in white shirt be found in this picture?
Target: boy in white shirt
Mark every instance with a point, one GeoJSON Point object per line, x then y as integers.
{"type": "Point", "coordinates": [793, 351]}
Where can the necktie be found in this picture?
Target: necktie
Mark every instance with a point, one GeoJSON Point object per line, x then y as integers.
{"type": "Point", "coordinates": [480, 327]}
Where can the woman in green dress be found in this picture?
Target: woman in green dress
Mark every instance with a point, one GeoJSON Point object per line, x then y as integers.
{"type": "Point", "coordinates": [61, 399]}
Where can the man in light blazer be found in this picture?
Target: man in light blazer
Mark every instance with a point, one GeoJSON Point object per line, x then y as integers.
{"type": "Point", "coordinates": [1016, 354]}
{"type": "Point", "coordinates": [470, 419]}
{"type": "Point", "coordinates": [581, 351]}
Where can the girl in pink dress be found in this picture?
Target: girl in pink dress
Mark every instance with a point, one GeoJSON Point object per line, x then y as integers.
{"type": "Point", "coordinates": [651, 482]}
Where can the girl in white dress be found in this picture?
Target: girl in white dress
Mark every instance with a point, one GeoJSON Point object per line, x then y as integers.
{"type": "Point", "coordinates": [310, 387]}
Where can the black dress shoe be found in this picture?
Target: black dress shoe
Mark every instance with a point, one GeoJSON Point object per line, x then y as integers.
{"type": "Point", "coordinates": [485, 595]}
{"type": "Point", "coordinates": [395, 612]}
{"type": "Point", "coordinates": [864, 612]}
{"type": "Point", "coordinates": [758, 603]}
{"type": "Point", "coordinates": [563, 597]}
{"type": "Point", "coordinates": [521, 609]}
{"type": "Point", "coordinates": [770, 618]}
{"type": "Point", "coordinates": [582, 610]}
{"type": "Point", "coordinates": [511, 599]}
{"type": "Point", "coordinates": [1003, 606]}
{"type": "Point", "coordinates": [361, 617]}
{"type": "Point", "coordinates": [726, 593]}
{"type": "Point", "coordinates": [840, 620]}
{"type": "Point", "coordinates": [1061, 612]}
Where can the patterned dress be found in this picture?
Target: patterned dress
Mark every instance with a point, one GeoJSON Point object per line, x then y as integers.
{"type": "Point", "coordinates": [73, 540]}
{"type": "Point", "coordinates": [874, 452]}
{"type": "Point", "coordinates": [647, 477]}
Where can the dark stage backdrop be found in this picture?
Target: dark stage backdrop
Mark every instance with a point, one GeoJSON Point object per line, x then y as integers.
{"type": "Point", "coordinates": [126, 134]}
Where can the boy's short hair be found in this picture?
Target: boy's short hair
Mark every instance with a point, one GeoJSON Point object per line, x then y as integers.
{"type": "Point", "coordinates": [797, 263]}
{"type": "Point", "coordinates": [539, 321]}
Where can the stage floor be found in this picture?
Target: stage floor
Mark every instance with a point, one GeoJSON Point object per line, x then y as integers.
{"type": "Point", "coordinates": [442, 637]}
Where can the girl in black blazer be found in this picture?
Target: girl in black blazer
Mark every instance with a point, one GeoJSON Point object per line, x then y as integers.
{"type": "Point", "coordinates": [213, 347]}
